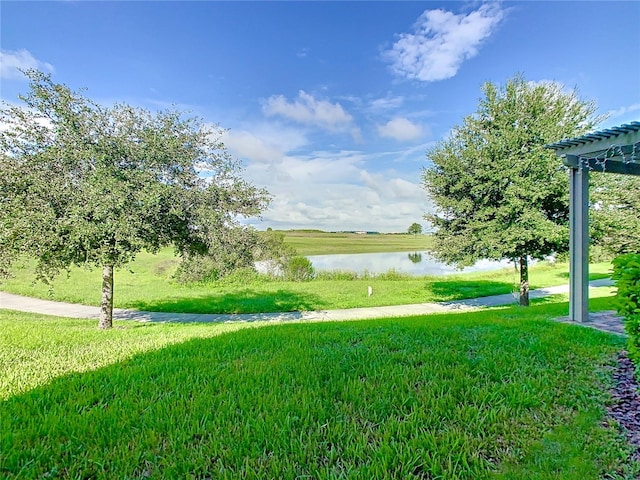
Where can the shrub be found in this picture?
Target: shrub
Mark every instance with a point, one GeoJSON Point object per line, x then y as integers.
{"type": "Point", "coordinates": [197, 268]}
{"type": "Point", "coordinates": [243, 277]}
{"type": "Point", "coordinates": [393, 274]}
{"type": "Point", "coordinates": [626, 273]}
{"type": "Point", "coordinates": [298, 269]}
{"type": "Point", "coordinates": [337, 275]}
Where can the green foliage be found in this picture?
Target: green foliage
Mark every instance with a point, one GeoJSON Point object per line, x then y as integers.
{"type": "Point", "coordinates": [238, 251]}
{"type": "Point", "coordinates": [615, 215]}
{"type": "Point", "coordinates": [328, 275]}
{"type": "Point", "coordinates": [499, 193]}
{"type": "Point", "coordinates": [457, 396]}
{"type": "Point", "coordinates": [626, 273]}
{"type": "Point", "coordinates": [232, 250]}
{"type": "Point", "coordinates": [415, 229]}
{"type": "Point", "coordinates": [298, 269]}
{"type": "Point", "coordinates": [84, 184]}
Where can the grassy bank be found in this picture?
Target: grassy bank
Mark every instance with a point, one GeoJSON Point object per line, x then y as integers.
{"type": "Point", "coordinates": [323, 243]}
{"type": "Point", "coordinates": [146, 284]}
{"type": "Point", "coordinates": [494, 394]}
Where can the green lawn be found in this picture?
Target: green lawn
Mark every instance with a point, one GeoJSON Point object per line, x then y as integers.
{"type": "Point", "coordinates": [146, 284]}
{"type": "Point", "coordinates": [323, 243]}
{"type": "Point", "coordinates": [500, 393]}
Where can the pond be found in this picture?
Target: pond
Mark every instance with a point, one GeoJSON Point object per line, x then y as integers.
{"type": "Point", "coordinates": [412, 263]}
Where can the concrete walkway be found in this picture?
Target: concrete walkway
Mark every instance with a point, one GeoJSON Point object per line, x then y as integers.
{"type": "Point", "coordinates": [9, 301]}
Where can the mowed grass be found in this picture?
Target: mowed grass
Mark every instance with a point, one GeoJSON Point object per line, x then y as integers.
{"type": "Point", "coordinates": [147, 284]}
{"type": "Point", "coordinates": [495, 394]}
{"type": "Point", "coordinates": [311, 242]}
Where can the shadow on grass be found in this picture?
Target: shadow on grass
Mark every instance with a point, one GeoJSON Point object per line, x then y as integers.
{"type": "Point", "coordinates": [239, 301]}
{"type": "Point", "coordinates": [592, 276]}
{"type": "Point", "coordinates": [293, 401]}
{"type": "Point", "coordinates": [463, 289]}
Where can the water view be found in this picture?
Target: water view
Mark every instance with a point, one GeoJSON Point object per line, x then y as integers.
{"type": "Point", "coordinates": [413, 263]}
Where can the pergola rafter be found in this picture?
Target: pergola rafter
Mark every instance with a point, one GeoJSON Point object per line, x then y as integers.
{"type": "Point", "coordinates": [614, 150]}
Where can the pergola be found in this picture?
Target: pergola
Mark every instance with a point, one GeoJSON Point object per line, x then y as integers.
{"type": "Point", "coordinates": [614, 150]}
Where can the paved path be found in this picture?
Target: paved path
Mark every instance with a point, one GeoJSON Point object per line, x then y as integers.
{"type": "Point", "coordinates": [607, 321]}
{"type": "Point", "coordinates": [603, 321]}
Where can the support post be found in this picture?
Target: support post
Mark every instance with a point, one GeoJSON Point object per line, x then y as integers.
{"type": "Point", "coordinates": [578, 239]}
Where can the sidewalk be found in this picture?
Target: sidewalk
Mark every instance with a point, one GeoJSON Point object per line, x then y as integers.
{"type": "Point", "coordinates": [608, 322]}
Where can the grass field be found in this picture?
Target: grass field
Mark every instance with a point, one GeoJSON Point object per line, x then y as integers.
{"type": "Point", "coordinates": [146, 284]}
{"type": "Point", "coordinates": [494, 394]}
{"type": "Point", "coordinates": [323, 243]}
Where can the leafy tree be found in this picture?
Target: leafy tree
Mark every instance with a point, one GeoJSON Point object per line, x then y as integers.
{"type": "Point", "coordinates": [298, 269]}
{"type": "Point", "coordinates": [415, 229]}
{"type": "Point", "coordinates": [83, 184]}
{"type": "Point", "coordinates": [499, 193]}
{"type": "Point", "coordinates": [615, 213]}
{"type": "Point", "coordinates": [228, 253]}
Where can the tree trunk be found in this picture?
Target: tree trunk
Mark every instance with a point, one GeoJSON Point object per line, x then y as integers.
{"type": "Point", "coordinates": [524, 282]}
{"type": "Point", "coordinates": [106, 308]}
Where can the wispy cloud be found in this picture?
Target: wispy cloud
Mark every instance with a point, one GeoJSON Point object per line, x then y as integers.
{"type": "Point", "coordinates": [12, 61]}
{"type": "Point", "coordinates": [390, 102]}
{"type": "Point", "coordinates": [335, 191]}
{"type": "Point", "coordinates": [623, 111]}
{"type": "Point", "coordinates": [327, 189]}
{"type": "Point", "coordinates": [400, 129]}
{"type": "Point", "coordinates": [263, 143]}
{"type": "Point", "coordinates": [441, 41]}
{"type": "Point", "coordinates": [307, 110]}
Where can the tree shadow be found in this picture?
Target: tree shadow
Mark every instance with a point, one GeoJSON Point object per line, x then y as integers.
{"type": "Point", "coordinates": [269, 402]}
{"type": "Point", "coordinates": [592, 276]}
{"type": "Point", "coordinates": [463, 289]}
{"type": "Point", "coordinates": [245, 300]}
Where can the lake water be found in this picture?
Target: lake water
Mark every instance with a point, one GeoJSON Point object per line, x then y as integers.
{"type": "Point", "coordinates": [413, 263]}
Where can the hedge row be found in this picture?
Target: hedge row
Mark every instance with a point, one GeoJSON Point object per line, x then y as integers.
{"type": "Point", "coordinates": [626, 273]}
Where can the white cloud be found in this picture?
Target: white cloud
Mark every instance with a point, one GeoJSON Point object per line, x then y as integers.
{"type": "Point", "coordinates": [336, 190]}
{"type": "Point", "coordinates": [387, 103]}
{"type": "Point", "coordinates": [247, 146]}
{"type": "Point", "coordinates": [400, 129]}
{"type": "Point", "coordinates": [330, 189]}
{"type": "Point", "coordinates": [623, 111]}
{"type": "Point", "coordinates": [441, 41]}
{"type": "Point", "coordinates": [12, 61]}
{"type": "Point", "coordinates": [307, 110]}
{"type": "Point", "coordinates": [264, 143]}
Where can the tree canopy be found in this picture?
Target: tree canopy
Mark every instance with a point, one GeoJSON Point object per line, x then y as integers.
{"type": "Point", "coordinates": [415, 229]}
{"type": "Point", "coordinates": [499, 194]}
{"type": "Point", "coordinates": [615, 213]}
{"type": "Point", "coordinates": [85, 184]}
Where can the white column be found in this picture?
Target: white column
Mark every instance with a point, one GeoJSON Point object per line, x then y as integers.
{"type": "Point", "coordinates": [578, 240]}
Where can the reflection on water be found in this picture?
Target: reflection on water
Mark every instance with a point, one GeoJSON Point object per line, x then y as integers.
{"type": "Point", "coordinates": [415, 257]}
{"type": "Point", "coordinates": [415, 263]}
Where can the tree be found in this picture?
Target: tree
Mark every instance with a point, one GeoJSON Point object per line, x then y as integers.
{"type": "Point", "coordinates": [615, 213]}
{"type": "Point", "coordinates": [83, 184]}
{"type": "Point", "coordinates": [499, 194]}
{"type": "Point", "coordinates": [415, 229]}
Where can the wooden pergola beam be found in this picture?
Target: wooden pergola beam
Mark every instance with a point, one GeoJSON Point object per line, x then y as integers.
{"type": "Point", "coordinates": [614, 150]}
{"type": "Point", "coordinates": [607, 166]}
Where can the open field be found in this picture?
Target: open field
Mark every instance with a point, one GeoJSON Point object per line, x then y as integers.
{"type": "Point", "coordinates": [311, 242]}
{"type": "Point", "coordinates": [146, 284]}
{"type": "Point", "coordinates": [502, 393]}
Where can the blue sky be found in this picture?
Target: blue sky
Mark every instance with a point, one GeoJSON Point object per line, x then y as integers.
{"type": "Point", "coordinates": [330, 105]}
